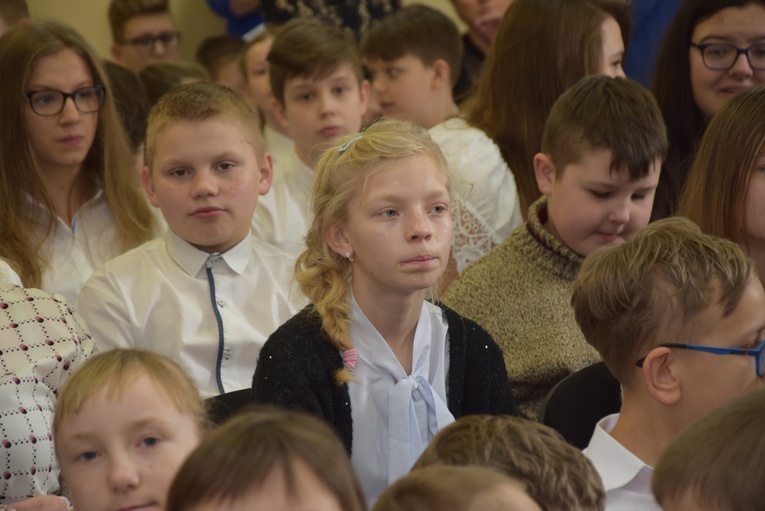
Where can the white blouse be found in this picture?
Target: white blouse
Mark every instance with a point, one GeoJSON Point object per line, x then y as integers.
{"type": "Point", "coordinates": [396, 415]}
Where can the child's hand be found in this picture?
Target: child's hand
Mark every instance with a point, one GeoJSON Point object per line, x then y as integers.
{"type": "Point", "coordinates": [42, 503]}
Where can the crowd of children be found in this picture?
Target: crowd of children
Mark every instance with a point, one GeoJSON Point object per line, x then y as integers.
{"type": "Point", "coordinates": [381, 244]}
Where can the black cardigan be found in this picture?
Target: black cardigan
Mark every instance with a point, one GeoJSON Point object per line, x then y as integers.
{"type": "Point", "coordinates": [297, 365]}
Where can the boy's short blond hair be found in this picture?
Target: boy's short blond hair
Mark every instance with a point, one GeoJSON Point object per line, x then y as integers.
{"type": "Point", "coordinates": [648, 291]}
{"type": "Point", "coordinates": [601, 112]}
{"type": "Point", "coordinates": [116, 370]}
{"type": "Point", "coordinates": [120, 11]}
{"type": "Point", "coordinates": [556, 474]}
{"type": "Point", "coordinates": [719, 460]}
{"type": "Point", "coordinates": [310, 48]}
{"type": "Point", "coordinates": [196, 102]}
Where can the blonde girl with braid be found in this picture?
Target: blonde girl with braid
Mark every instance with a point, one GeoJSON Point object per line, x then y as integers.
{"type": "Point", "coordinates": [386, 368]}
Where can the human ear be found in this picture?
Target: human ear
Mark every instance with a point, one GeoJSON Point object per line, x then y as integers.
{"type": "Point", "coordinates": [544, 171]}
{"type": "Point", "coordinates": [148, 186]}
{"type": "Point", "coordinates": [364, 93]}
{"type": "Point", "coordinates": [266, 174]}
{"type": "Point", "coordinates": [280, 112]}
{"type": "Point", "coordinates": [116, 51]}
{"type": "Point", "coordinates": [661, 377]}
{"type": "Point", "coordinates": [337, 239]}
{"type": "Point", "coordinates": [441, 74]}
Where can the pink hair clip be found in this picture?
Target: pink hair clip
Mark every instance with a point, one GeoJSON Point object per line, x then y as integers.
{"type": "Point", "coordinates": [349, 357]}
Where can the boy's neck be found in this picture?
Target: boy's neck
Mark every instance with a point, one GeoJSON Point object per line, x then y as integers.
{"type": "Point", "coordinates": [644, 429]}
{"type": "Point", "coordinates": [444, 108]}
{"type": "Point", "coordinates": [304, 158]}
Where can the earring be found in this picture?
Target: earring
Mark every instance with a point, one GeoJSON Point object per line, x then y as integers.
{"type": "Point", "coordinates": [349, 256]}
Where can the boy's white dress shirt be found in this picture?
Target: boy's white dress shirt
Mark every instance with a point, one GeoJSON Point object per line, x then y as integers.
{"type": "Point", "coordinates": [279, 146]}
{"type": "Point", "coordinates": [283, 214]}
{"type": "Point", "coordinates": [211, 313]}
{"type": "Point", "coordinates": [626, 479]}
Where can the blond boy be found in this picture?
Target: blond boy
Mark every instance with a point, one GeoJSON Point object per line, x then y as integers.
{"type": "Point", "coordinates": [678, 317]}
{"type": "Point", "coordinates": [320, 94]}
{"type": "Point", "coordinates": [208, 294]}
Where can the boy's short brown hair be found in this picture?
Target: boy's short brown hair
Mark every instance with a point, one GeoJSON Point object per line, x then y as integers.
{"type": "Point", "coordinates": [601, 112]}
{"type": "Point", "coordinates": [218, 50]}
{"type": "Point", "coordinates": [120, 11]}
{"type": "Point", "coordinates": [312, 49]}
{"type": "Point", "coordinates": [159, 77]}
{"type": "Point", "coordinates": [631, 298]}
{"type": "Point", "coordinates": [198, 102]}
{"type": "Point", "coordinates": [718, 460]}
{"type": "Point", "coordinates": [13, 11]}
{"type": "Point", "coordinates": [556, 474]}
{"type": "Point", "coordinates": [419, 30]}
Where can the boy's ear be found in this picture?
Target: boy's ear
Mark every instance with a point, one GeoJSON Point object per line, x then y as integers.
{"type": "Point", "coordinates": [337, 239]}
{"type": "Point", "coordinates": [266, 174]}
{"type": "Point", "coordinates": [364, 93]}
{"type": "Point", "coordinates": [441, 75]}
{"type": "Point", "coordinates": [116, 51]}
{"type": "Point", "coordinates": [280, 112]}
{"type": "Point", "coordinates": [661, 376]}
{"type": "Point", "coordinates": [544, 171]}
{"type": "Point", "coordinates": [148, 186]}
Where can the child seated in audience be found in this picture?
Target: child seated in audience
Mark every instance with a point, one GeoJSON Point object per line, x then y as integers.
{"type": "Point", "coordinates": [716, 464]}
{"type": "Point", "coordinates": [384, 367]}
{"type": "Point", "coordinates": [143, 32]}
{"type": "Point", "coordinates": [12, 12]}
{"type": "Point", "coordinates": [468, 488]}
{"type": "Point", "coordinates": [268, 459]}
{"type": "Point", "coordinates": [220, 55]}
{"type": "Point", "coordinates": [321, 94]}
{"type": "Point", "coordinates": [598, 169]}
{"type": "Point", "coordinates": [253, 65]}
{"type": "Point", "coordinates": [124, 423]}
{"type": "Point", "coordinates": [413, 57]}
{"type": "Point", "coordinates": [661, 310]}
{"type": "Point", "coordinates": [556, 474]}
{"type": "Point", "coordinates": [208, 294]}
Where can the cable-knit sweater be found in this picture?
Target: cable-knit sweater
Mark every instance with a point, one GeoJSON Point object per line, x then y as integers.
{"type": "Point", "coordinates": [520, 292]}
{"type": "Point", "coordinates": [297, 365]}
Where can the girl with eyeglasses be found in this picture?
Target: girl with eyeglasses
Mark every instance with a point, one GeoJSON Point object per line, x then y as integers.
{"type": "Point", "coordinates": [69, 200]}
{"type": "Point", "coordinates": [713, 50]}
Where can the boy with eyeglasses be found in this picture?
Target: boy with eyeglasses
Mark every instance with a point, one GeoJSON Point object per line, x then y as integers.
{"type": "Point", "coordinates": [679, 319]}
{"type": "Point", "coordinates": [143, 32]}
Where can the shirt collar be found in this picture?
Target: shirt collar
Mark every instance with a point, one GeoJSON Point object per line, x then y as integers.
{"type": "Point", "coordinates": [192, 260]}
{"type": "Point", "coordinates": [616, 465]}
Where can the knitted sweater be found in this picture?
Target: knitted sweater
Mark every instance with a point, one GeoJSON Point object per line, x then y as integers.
{"type": "Point", "coordinates": [297, 365]}
{"type": "Point", "coordinates": [520, 292]}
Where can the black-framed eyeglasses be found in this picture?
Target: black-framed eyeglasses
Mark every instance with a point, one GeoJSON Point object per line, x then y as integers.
{"type": "Point", "coordinates": [723, 56]}
{"type": "Point", "coordinates": [52, 101]}
{"type": "Point", "coordinates": [758, 353]}
{"type": "Point", "coordinates": [147, 42]}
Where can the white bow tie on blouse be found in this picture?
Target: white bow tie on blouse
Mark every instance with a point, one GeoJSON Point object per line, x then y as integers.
{"type": "Point", "coordinates": [396, 415]}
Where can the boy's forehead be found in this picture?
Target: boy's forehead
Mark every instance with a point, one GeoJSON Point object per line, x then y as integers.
{"type": "Point", "coordinates": [162, 145]}
{"type": "Point", "coordinates": [342, 72]}
{"type": "Point", "coordinates": [144, 24]}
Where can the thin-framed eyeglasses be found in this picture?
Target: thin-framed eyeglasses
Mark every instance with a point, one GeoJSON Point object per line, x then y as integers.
{"type": "Point", "coordinates": [723, 56]}
{"type": "Point", "coordinates": [147, 42]}
{"type": "Point", "coordinates": [51, 101]}
{"type": "Point", "coordinates": [758, 353]}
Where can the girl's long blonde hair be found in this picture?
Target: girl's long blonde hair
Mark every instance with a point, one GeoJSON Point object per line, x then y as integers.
{"type": "Point", "coordinates": [109, 163]}
{"type": "Point", "coordinates": [323, 275]}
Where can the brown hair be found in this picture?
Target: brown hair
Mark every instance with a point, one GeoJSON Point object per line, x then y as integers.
{"type": "Point", "coordinates": [323, 275]}
{"type": "Point", "coordinates": [238, 457]}
{"type": "Point", "coordinates": [312, 49]}
{"type": "Point", "coordinates": [198, 102]}
{"type": "Point", "coordinates": [13, 11]}
{"type": "Point", "coordinates": [218, 50]}
{"type": "Point", "coordinates": [120, 11]}
{"type": "Point", "coordinates": [651, 288]}
{"type": "Point", "coordinates": [556, 474]}
{"type": "Point", "coordinates": [116, 370]}
{"type": "Point", "coordinates": [160, 77]}
{"type": "Point", "coordinates": [130, 99]}
{"type": "Point", "coordinates": [420, 30]}
{"type": "Point", "coordinates": [718, 459]}
{"type": "Point", "coordinates": [541, 49]}
{"type": "Point", "coordinates": [672, 87]}
{"type": "Point", "coordinates": [606, 113]}
{"type": "Point", "coordinates": [108, 163]}
{"type": "Point", "coordinates": [715, 195]}
{"type": "Point", "coordinates": [441, 487]}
